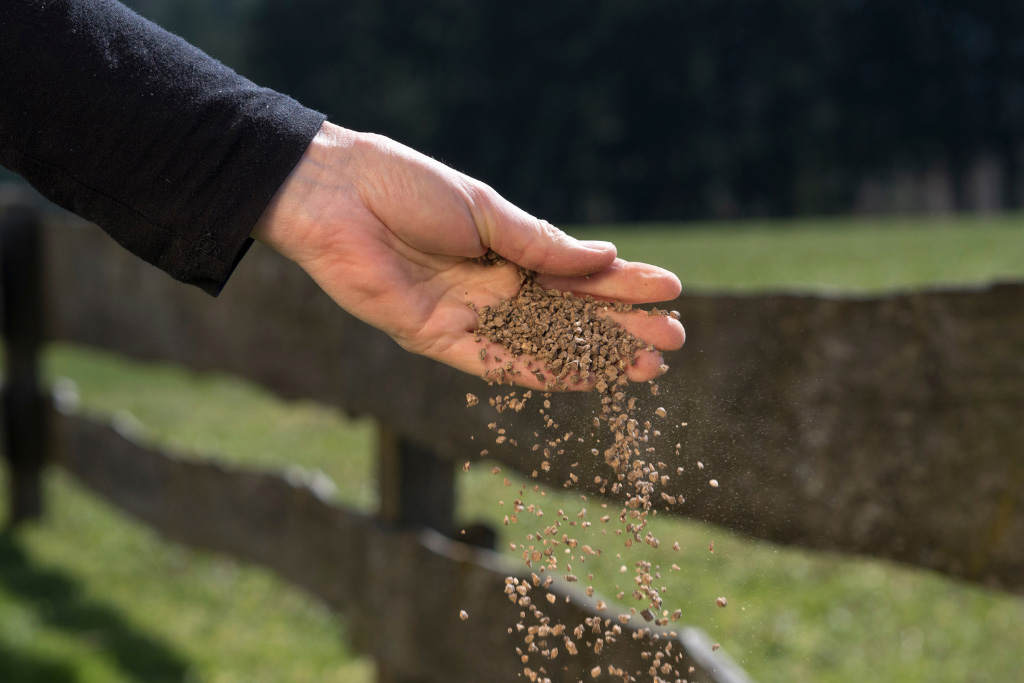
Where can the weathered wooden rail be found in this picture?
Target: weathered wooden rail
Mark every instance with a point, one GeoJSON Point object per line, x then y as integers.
{"type": "Point", "coordinates": [400, 588]}
{"type": "Point", "coordinates": [888, 426]}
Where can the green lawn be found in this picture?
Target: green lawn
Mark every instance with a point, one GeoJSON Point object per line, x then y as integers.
{"type": "Point", "coordinates": [80, 589]}
{"type": "Point", "coordinates": [90, 596]}
{"type": "Point", "coordinates": [851, 255]}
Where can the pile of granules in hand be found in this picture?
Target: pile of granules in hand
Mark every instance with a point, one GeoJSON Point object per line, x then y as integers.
{"type": "Point", "coordinates": [568, 335]}
{"type": "Point", "coordinates": [574, 343]}
{"type": "Point", "coordinates": [566, 341]}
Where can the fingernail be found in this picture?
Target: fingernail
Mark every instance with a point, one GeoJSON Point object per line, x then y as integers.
{"type": "Point", "coordinates": [598, 245]}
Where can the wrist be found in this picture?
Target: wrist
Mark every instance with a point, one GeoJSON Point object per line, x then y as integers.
{"type": "Point", "coordinates": [321, 176]}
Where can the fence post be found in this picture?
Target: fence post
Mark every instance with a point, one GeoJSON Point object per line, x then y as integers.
{"type": "Point", "coordinates": [24, 409]}
{"type": "Point", "coordinates": [417, 489]}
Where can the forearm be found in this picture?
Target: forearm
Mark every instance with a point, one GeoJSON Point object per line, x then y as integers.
{"type": "Point", "coordinates": [174, 154]}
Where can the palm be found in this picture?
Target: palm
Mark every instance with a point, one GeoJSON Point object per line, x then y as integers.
{"type": "Point", "coordinates": [418, 298]}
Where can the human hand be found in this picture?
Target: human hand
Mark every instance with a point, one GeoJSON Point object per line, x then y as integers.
{"type": "Point", "coordinates": [392, 236]}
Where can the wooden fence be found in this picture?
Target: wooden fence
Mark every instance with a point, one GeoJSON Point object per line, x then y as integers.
{"type": "Point", "coordinates": [886, 426]}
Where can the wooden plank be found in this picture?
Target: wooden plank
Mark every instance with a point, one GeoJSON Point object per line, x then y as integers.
{"type": "Point", "coordinates": [24, 411]}
{"type": "Point", "coordinates": [401, 590]}
{"type": "Point", "coordinates": [417, 490]}
{"type": "Point", "coordinates": [888, 425]}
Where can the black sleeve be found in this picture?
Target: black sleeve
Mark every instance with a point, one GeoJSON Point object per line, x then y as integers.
{"type": "Point", "coordinates": [113, 118]}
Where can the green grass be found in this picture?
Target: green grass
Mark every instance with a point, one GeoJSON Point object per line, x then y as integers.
{"type": "Point", "coordinates": [849, 255]}
{"type": "Point", "coordinates": [88, 595]}
{"type": "Point", "coordinates": [87, 588]}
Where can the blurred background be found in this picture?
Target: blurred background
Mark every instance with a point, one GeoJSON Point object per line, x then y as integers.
{"type": "Point", "coordinates": [585, 110]}
{"type": "Point", "coordinates": [854, 146]}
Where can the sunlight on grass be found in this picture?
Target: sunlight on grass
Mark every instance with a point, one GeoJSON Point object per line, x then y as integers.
{"type": "Point", "coordinates": [100, 578]}
{"type": "Point", "coordinates": [842, 254]}
{"type": "Point", "coordinates": [226, 621]}
{"type": "Point", "coordinates": [217, 415]}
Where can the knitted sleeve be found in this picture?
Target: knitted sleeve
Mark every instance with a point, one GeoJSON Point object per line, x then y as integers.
{"type": "Point", "coordinates": [168, 150]}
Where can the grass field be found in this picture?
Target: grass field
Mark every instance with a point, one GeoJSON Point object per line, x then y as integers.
{"type": "Point", "coordinates": [88, 596]}
{"type": "Point", "coordinates": [841, 254]}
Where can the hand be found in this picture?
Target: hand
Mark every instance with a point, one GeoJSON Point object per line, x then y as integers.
{"type": "Point", "coordinates": [391, 235]}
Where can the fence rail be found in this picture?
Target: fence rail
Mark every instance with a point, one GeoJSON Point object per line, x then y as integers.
{"type": "Point", "coordinates": [400, 588]}
{"type": "Point", "coordinates": [887, 426]}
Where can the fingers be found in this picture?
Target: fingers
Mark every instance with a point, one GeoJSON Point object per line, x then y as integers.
{"type": "Point", "coordinates": [627, 281]}
{"type": "Point", "coordinates": [533, 243]}
{"type": "Point", "coordinates": [649, 365]}
{"type": "Point", "coordinates": [494, 363]}
{"type": "Point", "coordinates": [498, 367]}
{"type": "Point", "coordinates": [663, 332]}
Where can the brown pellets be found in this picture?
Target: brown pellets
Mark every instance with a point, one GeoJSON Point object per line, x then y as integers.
{"type": "Point", "coordinates": [568, 335]}
{"type": "Point", "coordinates": [566, 341]}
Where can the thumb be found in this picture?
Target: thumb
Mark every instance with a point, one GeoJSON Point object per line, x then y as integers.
{"type": "Point", "coordinates": [536, 244]}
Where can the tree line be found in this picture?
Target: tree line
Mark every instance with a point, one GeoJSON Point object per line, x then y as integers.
{"type": "Point", "coordinates": [601, 110]}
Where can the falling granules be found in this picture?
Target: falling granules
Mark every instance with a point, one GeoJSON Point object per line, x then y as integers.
{"type": "Point", "coordinates": [566, 341]}
{"type": "Point", "coordinates": [575, 343]}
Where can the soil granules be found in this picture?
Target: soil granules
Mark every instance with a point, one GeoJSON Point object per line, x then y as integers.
{"type": "Point", "coordinates": [567, 341]}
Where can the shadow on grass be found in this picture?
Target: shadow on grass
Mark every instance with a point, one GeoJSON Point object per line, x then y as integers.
{"type": "Point", "coordinates": [57, 600]}
{"type": "Point", "coordinates": [19, 667]}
